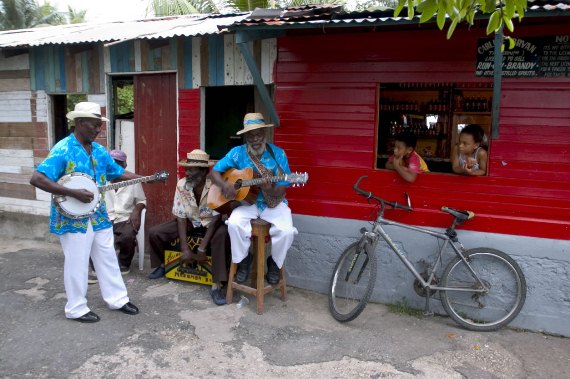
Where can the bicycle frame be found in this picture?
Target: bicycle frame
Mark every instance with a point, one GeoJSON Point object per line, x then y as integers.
{"type": "Point", "coordinates": [378, 231]}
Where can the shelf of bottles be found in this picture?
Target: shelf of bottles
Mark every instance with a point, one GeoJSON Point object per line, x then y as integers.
{"type": "Point", "coordinates": [418, 129]}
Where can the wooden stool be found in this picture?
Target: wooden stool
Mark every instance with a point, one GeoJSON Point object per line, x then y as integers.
{"type": "Point", "coordinates": [259, 239]}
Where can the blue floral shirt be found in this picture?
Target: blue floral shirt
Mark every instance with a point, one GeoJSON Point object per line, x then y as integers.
{"type": "Point", "coordinates": [68, 156]}
{"type": "Point", "coordinates": [239, 159]}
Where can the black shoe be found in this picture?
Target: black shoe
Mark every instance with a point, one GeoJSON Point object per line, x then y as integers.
{"type": "Point", "coordinates": [157, 273]}
{"type": "Point", "coordinates": [272, 276]}
{"type": "Point", "coordinates": [243, 269]}
{"type": "Point", "coordinates": [129, 309]}
{"type": "Point", "coordinates": [87, 317]}
{"type": "Point", "coordinates": [217, 297]}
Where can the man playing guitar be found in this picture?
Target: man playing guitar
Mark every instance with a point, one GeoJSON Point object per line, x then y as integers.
{"type": "Point", "coordinates": [92, 235]}
{"type": "Point", "coordinates": [267, 160]}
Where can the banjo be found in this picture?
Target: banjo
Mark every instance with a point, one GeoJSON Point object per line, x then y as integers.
{"type": "Point", "coordinates": [75, 209]}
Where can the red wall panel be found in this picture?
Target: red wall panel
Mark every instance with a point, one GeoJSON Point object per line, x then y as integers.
{"type": "Point", "coordinates": [188, 122]}
{"type": "Point", "coordinates": [327, 101]}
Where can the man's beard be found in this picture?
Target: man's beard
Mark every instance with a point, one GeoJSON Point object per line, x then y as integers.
{"type": "Point", "coordinates": [259, 151]}
{"type": "Point", "coordinates": [192, 182]}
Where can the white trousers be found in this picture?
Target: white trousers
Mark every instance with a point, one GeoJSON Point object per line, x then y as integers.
{"type": "Point", "coordinates": [77, 247]}
{"type": "Point", "coordinates": [281, 231]}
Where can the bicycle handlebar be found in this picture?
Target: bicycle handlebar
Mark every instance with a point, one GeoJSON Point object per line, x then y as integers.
{"type": "Point", "coordinates": [370, 195]}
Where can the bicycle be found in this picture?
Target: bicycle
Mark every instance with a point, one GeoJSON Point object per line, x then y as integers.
{"type": "Point", "coordinates": [482, 289]}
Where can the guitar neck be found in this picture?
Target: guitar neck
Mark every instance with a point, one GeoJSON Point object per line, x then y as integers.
{"type": "Point", "coordinates": [114, 186]}
{"type": "Point", "coordinates": [258, 181]}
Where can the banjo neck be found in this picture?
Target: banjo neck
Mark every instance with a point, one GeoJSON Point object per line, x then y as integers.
{"type": "Point", "coordinates": [125, 183]}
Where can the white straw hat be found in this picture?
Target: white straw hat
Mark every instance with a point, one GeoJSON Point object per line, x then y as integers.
{"type": "Point", "coordinates": [196, 158]}
{"type": "Point", "coordinates": [253, 121]}
{"type": "Point", "coordinates": [86, 109]}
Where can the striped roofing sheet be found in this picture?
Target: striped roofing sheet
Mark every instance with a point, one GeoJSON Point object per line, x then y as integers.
{"type": "Point", "coordinates": [379, 16]}
{"type": "Point", "coordinates": [166, 27]}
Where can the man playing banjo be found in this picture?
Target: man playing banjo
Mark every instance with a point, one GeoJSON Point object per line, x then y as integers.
{"type": "Point", "coordinates": [91, 235]}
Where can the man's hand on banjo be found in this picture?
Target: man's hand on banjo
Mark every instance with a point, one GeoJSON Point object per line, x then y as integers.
{"type": "Point", "coordinates": [82, 195]}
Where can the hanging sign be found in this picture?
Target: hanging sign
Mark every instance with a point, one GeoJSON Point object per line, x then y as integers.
{"type": "Point", "coordinates": [544, 57]}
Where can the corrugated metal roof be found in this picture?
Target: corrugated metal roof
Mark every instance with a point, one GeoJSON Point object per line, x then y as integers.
{"type": "Point", "coordinates": [308, 18]}
{"type": "Point", "coordinates": [166, 27]}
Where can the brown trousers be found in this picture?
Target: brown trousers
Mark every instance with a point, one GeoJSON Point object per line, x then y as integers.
{"type": "Point", "coordinates": [220, 246]}
{"type": "Point", "coordinates": [126, 241]}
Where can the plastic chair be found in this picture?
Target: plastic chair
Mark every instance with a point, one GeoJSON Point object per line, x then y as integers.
{"type": "Point", "coordinates": [140, 240]}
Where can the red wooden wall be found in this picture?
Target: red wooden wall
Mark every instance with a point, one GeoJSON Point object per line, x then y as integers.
{"type": "Point", "coordinates": [326, 96]}
{"type": "Point", "coordinates": [188, 123]}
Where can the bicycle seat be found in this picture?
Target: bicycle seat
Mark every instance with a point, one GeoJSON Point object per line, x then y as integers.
{"type": "Point", "coordinates": [458, 214]}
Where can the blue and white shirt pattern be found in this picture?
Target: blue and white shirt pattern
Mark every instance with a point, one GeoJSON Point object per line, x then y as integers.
{"type": "Point", "coordinates": [239, 159]}
{"type": "Point", "coordinates": [68, 156]}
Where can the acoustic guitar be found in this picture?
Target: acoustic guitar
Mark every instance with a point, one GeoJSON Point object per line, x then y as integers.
{"type": "Point", "coordinates": [244, 182]}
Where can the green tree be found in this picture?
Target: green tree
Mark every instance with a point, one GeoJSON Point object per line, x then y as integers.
{"type": "Point", "coordinates": [502, 12]}
{"type": "Point", "coordinates": [250, 5]}
{"type": "Point", "coordinates": [76, 16]}
{"type": "Point", "coordinates": [23, 14]}
{"type": "Point", "coordinates": [160, 8]}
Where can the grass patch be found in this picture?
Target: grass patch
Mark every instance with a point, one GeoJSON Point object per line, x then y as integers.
{"type": "Point", "coordinates": [402, 307]}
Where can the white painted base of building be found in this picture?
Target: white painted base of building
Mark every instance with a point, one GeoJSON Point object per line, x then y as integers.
{"type": "Point", "coordinates": [545, 263]}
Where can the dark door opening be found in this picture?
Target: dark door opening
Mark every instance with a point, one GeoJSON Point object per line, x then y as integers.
{"type": "Point", "coordinates": [61, 104]}
{"type": "Point", "coordinates": [225, 108]}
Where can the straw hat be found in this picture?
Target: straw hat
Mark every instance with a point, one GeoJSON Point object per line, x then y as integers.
{"type": "Point", "coordinates": [253, 121]}
{"type": "Point", "coordinates": [196, 158]}
{"type": "Point", "coordinates": [86, 110]}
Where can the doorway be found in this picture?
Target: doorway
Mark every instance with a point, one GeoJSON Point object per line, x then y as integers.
{"type": "Point", "coordinates": [155, 123]}
{"type": "Point", "coordinates": [225, 108]}
{"type": "Point", "coordinates": [61, 105]}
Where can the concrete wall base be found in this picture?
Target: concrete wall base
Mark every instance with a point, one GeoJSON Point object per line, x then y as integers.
{"type": "Point", "coordinates": [545, 263]}
{"type": "Point", "coordinates": [26, 226]}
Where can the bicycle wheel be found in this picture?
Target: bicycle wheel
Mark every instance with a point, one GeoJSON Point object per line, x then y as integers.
{"type": "Point", "coordinates": [352, 282]}
{"type": "Point", "coordinates": [490, 310]}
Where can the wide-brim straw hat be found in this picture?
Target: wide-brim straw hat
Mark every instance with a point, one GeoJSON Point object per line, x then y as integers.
{"type": "Point", "coordinates": [253, 121]}
{"type": "Point", "coordinates": [86, 109]}
{"type": "Point", "coordinates": [197, 158]}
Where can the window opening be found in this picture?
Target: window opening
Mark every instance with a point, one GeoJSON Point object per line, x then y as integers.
{"type": "Point", "coordinates": [435, 113]}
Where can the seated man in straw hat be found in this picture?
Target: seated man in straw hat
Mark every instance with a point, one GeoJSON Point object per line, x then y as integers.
{"type": "Point", "coordinates": [266, 160]}
{"type": "Point", "coordinates": [192, 213]}
{"type": "Point", "coordinates": [90, 235]}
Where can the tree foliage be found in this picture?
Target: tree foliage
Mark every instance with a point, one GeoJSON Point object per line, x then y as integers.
{"type": "Point", "coordinates": [161, 8]}
{"type": "Point", "coordinates": [23, 14]}
{"type": "Point", "coordinates": [502, 12]}
{"type": "Point", "coordinates": [76, 16]}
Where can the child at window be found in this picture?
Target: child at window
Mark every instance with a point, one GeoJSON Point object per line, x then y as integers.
{"type": "Point", "coordinates": [469, 156]}
{"type": "Point", "coordinates": [405, 160]}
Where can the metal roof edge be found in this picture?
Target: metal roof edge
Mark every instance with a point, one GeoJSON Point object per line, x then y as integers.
{"type": "Point", "coordinates": [346, 22]}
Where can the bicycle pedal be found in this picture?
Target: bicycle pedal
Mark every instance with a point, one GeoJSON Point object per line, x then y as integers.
{"type": "Point", "coordinates": [428, 314]}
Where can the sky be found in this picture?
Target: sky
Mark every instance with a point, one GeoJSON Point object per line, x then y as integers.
{"type": "Point", "coordinates": [105, 10]}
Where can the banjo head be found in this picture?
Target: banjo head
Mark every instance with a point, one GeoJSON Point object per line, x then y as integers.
{"type": "Point", "coordinates": [70, 206]}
